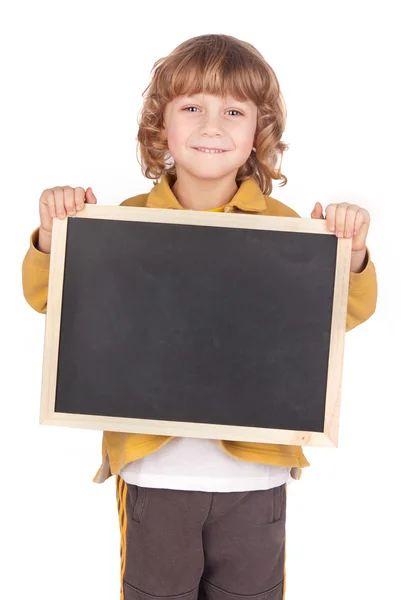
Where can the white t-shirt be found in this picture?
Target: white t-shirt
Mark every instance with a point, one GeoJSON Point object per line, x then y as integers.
{"type": "Point", "coordinates": [201, 465]}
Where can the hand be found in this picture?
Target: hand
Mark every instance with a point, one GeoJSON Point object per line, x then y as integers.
{"type": "Point", "coordinates": [57, 202]}
{"type": "Point", "coordinates": [348, 220]}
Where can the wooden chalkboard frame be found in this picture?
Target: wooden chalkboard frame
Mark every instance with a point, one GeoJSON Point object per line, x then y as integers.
{"type": "Point", "coordinates": [48, 415]}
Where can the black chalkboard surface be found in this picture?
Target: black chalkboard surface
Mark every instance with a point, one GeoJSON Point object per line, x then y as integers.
{"type": "Point", "coordinates": [191, 323]}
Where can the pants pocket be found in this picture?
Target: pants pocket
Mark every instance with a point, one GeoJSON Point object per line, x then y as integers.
{"type": "Point", "coordinates": [131, 593]}
{"type": "Point", "coordinates": [137, 498]}
{"type": "Point", "coordinates": [208, 591]}
{"type": "Point", "coordinates": [276, 504]}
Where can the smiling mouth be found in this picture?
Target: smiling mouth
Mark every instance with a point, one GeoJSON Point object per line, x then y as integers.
{"type": "Point", "coordinates": [210, 150]}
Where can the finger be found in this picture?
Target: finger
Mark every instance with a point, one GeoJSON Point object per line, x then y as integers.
{"type": "Point", "coordinates": [90, 196]}
{"type": "Point", "coordinates": [69, 200]}
{"type": "Point", "coordinates": [331, 216]}
{"type": "Point", "coordinates": [79, 198]}
{"type": "Point", "coordinates": [59, 201]}
{"type": "Point", "coordinates": [317, 212]}
{"type": "Point", "coordinates": [359, 220]}
{"type": "Point", "coordinates": [341, 213]}
{"type": "Point", "coordinates": [350, 220]}
{"type": "Point", "coordinates": [50, 201]}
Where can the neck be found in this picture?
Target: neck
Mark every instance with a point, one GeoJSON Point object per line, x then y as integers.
{"type": "Point", "coordinates": [196, 193]}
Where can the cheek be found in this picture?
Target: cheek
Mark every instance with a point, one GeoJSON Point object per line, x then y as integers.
{"type": "Point", "coordinates": [176, 140]}
{"type": "Point", "coordinates": [244, 146]}
{"type": "Point", "coordinates": [174, 144]}
{"type": "Point", "coordinates": [244, 139]}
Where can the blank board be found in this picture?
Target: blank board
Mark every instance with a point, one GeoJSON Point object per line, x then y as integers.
{"type": "Point", "coordinates": [186, 323]}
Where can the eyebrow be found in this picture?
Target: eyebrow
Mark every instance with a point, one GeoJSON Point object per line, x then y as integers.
{"type": "Point", "coordinates": [230, 100]}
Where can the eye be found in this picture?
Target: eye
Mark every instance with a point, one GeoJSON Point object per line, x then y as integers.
{"type": "Point", "coordinates": [229, 110]}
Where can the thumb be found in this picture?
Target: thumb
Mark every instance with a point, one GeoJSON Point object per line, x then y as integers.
{"type": "Point", "coordinates": [90, 196]}
{"type": "Point", "coordinates": [317, 212]}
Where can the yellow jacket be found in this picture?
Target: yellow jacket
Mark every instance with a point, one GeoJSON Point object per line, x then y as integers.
{"type": "Point", "coordinates": [121, 448]}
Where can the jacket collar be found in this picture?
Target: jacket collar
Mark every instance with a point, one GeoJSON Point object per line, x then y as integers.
{"type": "Point", "coordinates": [249, 196]}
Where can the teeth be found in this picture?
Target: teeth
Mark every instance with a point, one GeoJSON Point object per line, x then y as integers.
{"type": "Point", "coordinates": [209, 151]}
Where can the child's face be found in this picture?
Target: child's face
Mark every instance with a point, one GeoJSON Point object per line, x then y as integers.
{"type": "Point", "coordinates": [213, 122]}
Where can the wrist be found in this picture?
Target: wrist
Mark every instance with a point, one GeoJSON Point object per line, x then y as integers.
{"type": "Point", "coordinates": [44, 240]}
{"type": "Point", "coordinates": [359, 252]}
{"type": "Point", "coordinates": [358, 260]}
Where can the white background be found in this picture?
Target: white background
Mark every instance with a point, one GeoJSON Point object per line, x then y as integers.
{"type": "Point", "coordinates": [72, 77]}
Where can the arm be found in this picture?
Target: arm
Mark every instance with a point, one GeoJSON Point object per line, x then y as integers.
{"type": "Point", "coordinates": [35, 275]}
{"type": "Point", "coordinates": [362, 293]}
{"type": "Point", "coordinates": [36, 263]}
{"type": "Point", "coordinates": [54, 202]}
{"type": "Point", "coordinates": [350, 220]}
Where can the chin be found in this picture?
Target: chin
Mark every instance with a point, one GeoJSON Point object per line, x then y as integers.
{"type": "Point", "coordinates": [208, 172]}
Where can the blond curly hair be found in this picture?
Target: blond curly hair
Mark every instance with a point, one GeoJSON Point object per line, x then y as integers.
{"type": "Point", "coordinates": [215, 64]}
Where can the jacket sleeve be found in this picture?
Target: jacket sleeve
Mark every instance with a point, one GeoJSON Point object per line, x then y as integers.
{"type": "Point", "coordinates": [35, 275]}
{"type": "Point", "coordinates": [362, 295]}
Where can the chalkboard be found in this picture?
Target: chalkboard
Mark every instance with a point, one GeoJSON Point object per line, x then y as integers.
{"type": "Point", "coordinates": [226, 326]}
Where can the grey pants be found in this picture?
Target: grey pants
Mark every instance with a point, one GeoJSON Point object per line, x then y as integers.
{"type": "Point", "coordinates": [186, 545]}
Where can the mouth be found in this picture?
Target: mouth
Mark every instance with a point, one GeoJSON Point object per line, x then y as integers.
{"type": "Point", "coordinates": [210, 150]}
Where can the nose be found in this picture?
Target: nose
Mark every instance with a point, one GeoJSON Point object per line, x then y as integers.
{"type": "Point", "coordinates": [211, 125]}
